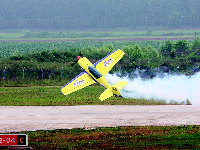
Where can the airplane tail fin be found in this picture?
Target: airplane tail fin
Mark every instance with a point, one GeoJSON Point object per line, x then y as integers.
{"type": "Point", "coordinates": [114, 91]}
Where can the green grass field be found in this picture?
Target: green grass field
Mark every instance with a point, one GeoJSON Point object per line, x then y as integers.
{"type": "Point", "coordinates": [52, 96]}
{"type": "Point", "coordinates": [137, 137]}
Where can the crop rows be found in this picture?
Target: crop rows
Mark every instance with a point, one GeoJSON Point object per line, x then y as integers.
{"type": "Point", "coordinates": [16, 48]}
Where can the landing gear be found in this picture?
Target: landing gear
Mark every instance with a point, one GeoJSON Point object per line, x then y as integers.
{"type": "Point", "coordinates": [114, 89]}
{"type": "Point", "coordinates": [117, 95]}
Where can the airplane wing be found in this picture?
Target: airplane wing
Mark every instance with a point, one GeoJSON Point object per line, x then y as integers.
{"type": "Point", "coordinates": [105, 64]}
{"type": "Point", "coordinates": [79, 82]}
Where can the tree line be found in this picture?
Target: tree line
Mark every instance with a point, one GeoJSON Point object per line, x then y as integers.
{"type": "Point", "coordinates": [171, 55]}
{"type": "Point", "coordinates": [96, 14]}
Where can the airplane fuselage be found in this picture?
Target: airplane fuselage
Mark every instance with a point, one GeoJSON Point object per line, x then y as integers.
{"type": "Point", "coordinates": [93, 72]}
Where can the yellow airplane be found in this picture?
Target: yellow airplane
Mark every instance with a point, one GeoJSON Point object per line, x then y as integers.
{"type": "Point", "coordinates": [95, 73]}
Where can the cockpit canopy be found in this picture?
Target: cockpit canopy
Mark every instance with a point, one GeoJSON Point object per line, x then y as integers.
{"type": "Point", "coordinates": [95, 72]}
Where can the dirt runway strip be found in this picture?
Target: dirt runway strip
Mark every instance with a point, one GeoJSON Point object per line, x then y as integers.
{"type": "Point", "coordinates": [31, 118]}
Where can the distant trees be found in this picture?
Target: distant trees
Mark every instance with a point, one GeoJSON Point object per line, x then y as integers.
{"type": "Point", "coordinates": [96, 14]}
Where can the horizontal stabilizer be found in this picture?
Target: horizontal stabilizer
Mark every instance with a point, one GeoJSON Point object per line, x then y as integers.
{"type": "Point", "coordinates": [114, 91]}
{"type": "Point", "coordinates": [106, 94]}
{"type": "Point", "coordinates": [119, 85]}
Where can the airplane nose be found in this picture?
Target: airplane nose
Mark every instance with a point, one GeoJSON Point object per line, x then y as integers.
{"type": "Point", "coordinates": [78, 57]}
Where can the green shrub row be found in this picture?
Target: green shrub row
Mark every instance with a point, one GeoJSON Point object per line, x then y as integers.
{"type": "Point", "coordinates": [172, 54]}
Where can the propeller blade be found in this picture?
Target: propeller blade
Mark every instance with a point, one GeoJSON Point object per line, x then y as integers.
{"type": "Point", "coordinates": [74, 63]}
{"type": "Point", "coordinates": [80, 53]}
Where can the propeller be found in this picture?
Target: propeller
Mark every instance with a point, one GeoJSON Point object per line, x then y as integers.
{"type": "Point", "coordinates": [74, 63]}
{"type": "Point", "coordinates": [80, 55]}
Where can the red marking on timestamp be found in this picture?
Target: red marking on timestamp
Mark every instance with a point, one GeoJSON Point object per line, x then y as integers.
{"type": "Point", "coordinates": [13, 140]}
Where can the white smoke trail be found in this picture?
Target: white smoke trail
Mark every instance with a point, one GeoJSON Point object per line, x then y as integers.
{"type": "Point", "coordinates": [177, 88]}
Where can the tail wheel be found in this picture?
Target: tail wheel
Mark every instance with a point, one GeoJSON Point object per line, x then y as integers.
{"type": "Point", "coordinates": [114, 89]}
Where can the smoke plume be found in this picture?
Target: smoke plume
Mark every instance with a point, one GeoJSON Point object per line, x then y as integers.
{"type": "Point", "coordinates": [178, 88]}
